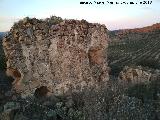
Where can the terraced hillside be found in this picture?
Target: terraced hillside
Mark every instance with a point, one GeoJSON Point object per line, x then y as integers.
{"type": "Point", "coordinates": [134, 47]}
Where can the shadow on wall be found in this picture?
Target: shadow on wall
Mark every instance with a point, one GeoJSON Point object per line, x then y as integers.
{"type": "Point", "coordinates": [5, 81]}
{"type": "Point", "coordinates": [41, 92]}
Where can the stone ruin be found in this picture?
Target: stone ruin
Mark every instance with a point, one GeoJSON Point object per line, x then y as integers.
{"type": "Point", "coordinates": [63, 56]}
{"type": "Point", "coordinates": [135, 75]}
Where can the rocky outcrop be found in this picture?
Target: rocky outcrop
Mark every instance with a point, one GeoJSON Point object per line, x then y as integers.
{"type": "Point", "coordinates": [135, 75]}
{"type": "Point", "coordinates": [64, 55]}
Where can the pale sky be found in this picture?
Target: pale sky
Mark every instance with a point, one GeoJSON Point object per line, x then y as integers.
{"type": "Point", "coordinates": [113, 16]}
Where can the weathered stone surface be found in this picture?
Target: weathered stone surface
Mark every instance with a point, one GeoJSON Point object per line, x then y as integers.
{"type": "Point", "coordinates": [60, 56]}
{"type": "Point", "coordinates": [135, 75]}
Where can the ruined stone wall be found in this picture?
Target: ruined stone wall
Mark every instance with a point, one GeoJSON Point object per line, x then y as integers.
{"type": "Point", "coordinates": [66, 55]}
{"type": "Point", "coordinates": [135, 75]}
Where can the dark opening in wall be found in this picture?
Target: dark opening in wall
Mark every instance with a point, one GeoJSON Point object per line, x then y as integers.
{"type": "Point", "coordinates": [15, 74]}
{"type": "Point", "coordinates": [41, 92]}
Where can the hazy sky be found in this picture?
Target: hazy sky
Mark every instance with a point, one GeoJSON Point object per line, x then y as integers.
{"type": "Point", "coordinates": [113, 16]}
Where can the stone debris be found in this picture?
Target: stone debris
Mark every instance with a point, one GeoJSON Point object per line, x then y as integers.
{"type": "Point", "coordinates": [135, 75]}
{"type": "Point", "coordinates": [60, 54]}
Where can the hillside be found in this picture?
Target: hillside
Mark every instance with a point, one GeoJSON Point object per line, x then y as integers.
{"type": "Point", "coordinates": [2, 34]}
{"type": "Point", "coordinates": [131, 34]}
{"type": "Point", "coordinates": [140, 46]}
{"type": "Point", "coordinates": [46, 56]}
{"type": "Point", "coordinates": [4, 81]}
{"type": "Point", "coordinates": [1, 51]}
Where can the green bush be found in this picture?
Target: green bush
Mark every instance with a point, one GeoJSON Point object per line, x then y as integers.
{"type": "Point", "coordinates": [140, 91]}
{"type": "Point", "coordinates": [2, 63]}
{"type": "Point", "coordinates": [55, 20]}
{"type": "Point", "coordinates": [145, 92]}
